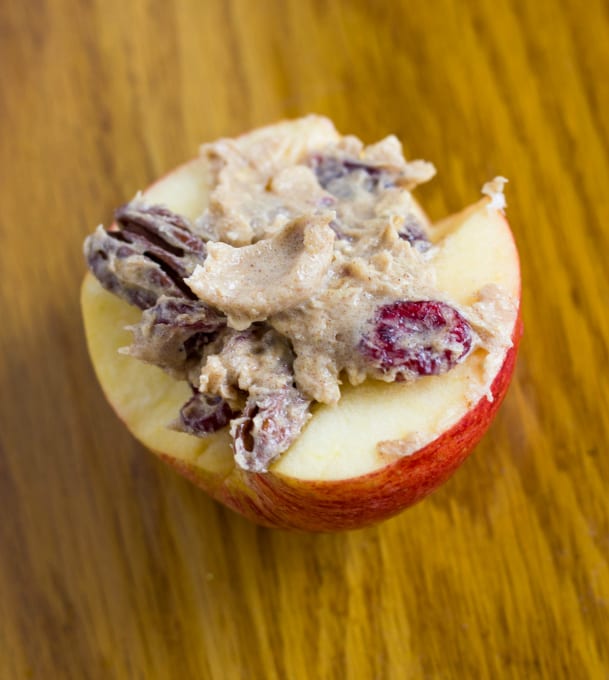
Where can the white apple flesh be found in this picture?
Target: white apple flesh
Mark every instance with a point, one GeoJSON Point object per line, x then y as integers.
{"type": "Point", "coordinates": [380, 449]}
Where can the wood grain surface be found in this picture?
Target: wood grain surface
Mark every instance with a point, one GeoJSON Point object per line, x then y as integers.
{"type": "Point", "coordinates": [111, 566]}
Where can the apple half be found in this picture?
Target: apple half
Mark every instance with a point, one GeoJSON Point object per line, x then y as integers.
{"type": "Point", "coordinates": [382, 448]}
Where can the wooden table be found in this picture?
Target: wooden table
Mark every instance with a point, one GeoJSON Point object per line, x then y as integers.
{"type": "Point", "coordinates": [111, 566]}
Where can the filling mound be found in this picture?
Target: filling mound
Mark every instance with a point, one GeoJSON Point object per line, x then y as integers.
{"type": "Point", "coordinates": [310, 266]}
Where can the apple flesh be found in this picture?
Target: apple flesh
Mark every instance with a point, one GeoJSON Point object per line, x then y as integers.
{"type": "Point", "coordinates": [382, 448]}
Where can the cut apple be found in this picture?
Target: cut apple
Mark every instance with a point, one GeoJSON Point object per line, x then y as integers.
{"type": "Point", "coordinates": [383, 447]}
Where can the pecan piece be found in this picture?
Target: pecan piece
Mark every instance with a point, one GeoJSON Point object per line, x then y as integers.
{"type": "Point", "coordinates": [164, 234]}
{"type": "Point", "coordinates": [203, 414]}
{"type": "Point", "coordinates": [270, 422]}
{"type": "Point", "coordinates": [173, 334]}
{"type": "Point", "coordinates": [147, 254]}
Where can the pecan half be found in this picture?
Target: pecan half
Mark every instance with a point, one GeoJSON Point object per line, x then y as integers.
{"type": "Point", "coordinates": [147, 254]}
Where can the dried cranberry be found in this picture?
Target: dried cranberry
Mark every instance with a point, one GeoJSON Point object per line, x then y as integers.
{"type": "Point", "coordinates": [416, 337]}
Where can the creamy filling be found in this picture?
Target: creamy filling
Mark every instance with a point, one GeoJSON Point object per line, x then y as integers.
{"type": "Point", "coordinates": [311, 266]}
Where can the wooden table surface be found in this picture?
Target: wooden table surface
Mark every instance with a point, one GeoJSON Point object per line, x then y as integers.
{"type": "Point", "coordinates": [111, 566]}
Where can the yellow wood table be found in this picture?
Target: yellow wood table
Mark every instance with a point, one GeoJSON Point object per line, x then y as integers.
{"type": "Point", "coordinates": [111, 566]}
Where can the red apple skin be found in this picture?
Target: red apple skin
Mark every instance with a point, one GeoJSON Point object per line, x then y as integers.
{"type": "Point", "coordinates": [276, 501]}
